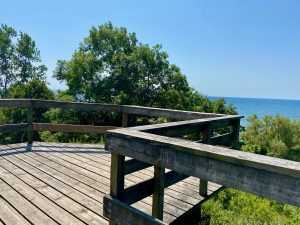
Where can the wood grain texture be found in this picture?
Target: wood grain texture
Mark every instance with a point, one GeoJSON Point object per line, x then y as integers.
{"type": "Point", "coordinates": [269, 177]}
{"type": "Point", "coordinates": [8, 128]}
{"type": "Point", "coordinates": [72, 128]}
{"type": "Point", "coordinates": [80, 172]}
{"type": "Point", "coordinates": [124, 214]}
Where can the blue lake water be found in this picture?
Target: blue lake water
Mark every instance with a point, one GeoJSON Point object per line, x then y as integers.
{"type": "Point", "coordinates": [261, 107]}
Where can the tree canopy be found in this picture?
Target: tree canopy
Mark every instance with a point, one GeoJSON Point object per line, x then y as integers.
{"type": "Point", "coordinates": [18, 59]}
{"type": "Point", "coordinates": [112, 66]}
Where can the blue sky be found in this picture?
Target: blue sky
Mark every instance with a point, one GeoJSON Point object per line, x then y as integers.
{"type": "Point", "coordinates": [225, 48]}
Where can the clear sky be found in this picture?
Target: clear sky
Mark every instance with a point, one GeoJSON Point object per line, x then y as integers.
{"type": "Point", "coordinates": [241, 48]}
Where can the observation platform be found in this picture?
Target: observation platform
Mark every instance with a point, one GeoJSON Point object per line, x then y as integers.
{"type": "Point", "coordinates": [154, 174]}
{"type": "Point", "coordinates": [57, 183]}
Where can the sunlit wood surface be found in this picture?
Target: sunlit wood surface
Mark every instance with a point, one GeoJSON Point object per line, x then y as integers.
{"type": "Point", "coordinates": [65, 184]}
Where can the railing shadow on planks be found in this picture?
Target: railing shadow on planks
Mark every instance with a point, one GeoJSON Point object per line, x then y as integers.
{"type": "Point", "coordinates": [189, 144]}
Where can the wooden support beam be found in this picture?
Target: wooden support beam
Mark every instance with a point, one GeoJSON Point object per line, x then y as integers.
{"type": "Point", "coordinates": [8, 128]}
{"type": "Point", "coordinates": [158, 192]}
{"type": "Point", "coordinates": [134, 165]}
{"type": "Point", "coordinates": [144, 189]}
{"type": "Point", "coordinates": [206, 138]}
{"type": "Point", "coordinates": [30, 127]}
{"type": "Point", "coordinates": [179, 128]}
{"type": "Point", "coordinates": [116, 178]}
{"type": "Point", "coordinates": [235, 135]}
{"type": "Point", "coordinates": [124, 119]}
{"type": "Point", "coordinates": [223, 139]}
{"type": "Point", "coordinates": [124, 214]}
{"type": "Point", "coordinates": [193, 215]}
{"type": "Point", "coordinates": [167, 113]}
{"type": "Point", "coordinates": [21, 103]}
{"type": "Point", "coordinates": [70, 128]}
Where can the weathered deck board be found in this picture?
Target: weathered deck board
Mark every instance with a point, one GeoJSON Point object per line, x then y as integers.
{"type": "Point", "coordinates": [65, 183]}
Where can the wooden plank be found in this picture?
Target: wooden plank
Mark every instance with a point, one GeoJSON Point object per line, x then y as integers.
{"type": "Point", "coordinates": [282, 166]}
{"type": "Point", "coordinates": [193, 215]}
{"type": "Point", "coordinates": [21, 103]}
{"type": "Point", "coordinates": [223, 139]}
{"type": "Point", "coordinates": [134, 165]}
{"type": "Point", "coordinates": [143, 175]}
{"type": "Point", "coordinates": [76, 105]}
{"type": "Point", "coordinates": [124, 119]}
{"type": "Point", "coordinates": [117, 175]}
{"type": "Point", "coordinates": [168, 113]}
{"type": "Point", "coordinates": [235, 135]}
{"type": "Point", "coordinates": [141, 190]}
{"type": "Point", "coordinates": [139, 110]}
{"type": "Point", "coordinates": [9, 215]}
{"type": "Point", "coordinates": [30, 127]}
{"type": "Point", "coordinates": [177, 129]}
{"type": "Point", "coordinates": [207, 139]}
{"type": "Point", "coordinates": [173, 209]}
{"type": "Point", "coordinates": [71, 128]}
{"type": "Point", "coordinates": [8, 128]}
{"type": "Point", "coordinates": [264, 176]}
{"type": "Point", "coordinates": [170, 209]}
{"type": "Point", "coordinates": [74, 202]}
{"type": "Point", "coordinates": [57, 213]}
{"type": "Point", "coordinates": [116, 179]}
{"type": "Point", "coordinates": [89, 187]}
{"type": "Point", "coordinates": [124, 214]}
{"type": "Point", "coordinates": [158, 192]}
{"type": "Point", "coordinates": [24, 207]}
{"type": "Point", "coordinates": [104, 159]}
{"type": "Point", "coordinates": [144, 205]}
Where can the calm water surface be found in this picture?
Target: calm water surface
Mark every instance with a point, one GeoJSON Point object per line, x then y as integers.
{"type": "Point", "coordinates": [261, 107]}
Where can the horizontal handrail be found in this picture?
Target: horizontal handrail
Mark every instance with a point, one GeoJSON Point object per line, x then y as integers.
{"type": "Point", "coordinates": [270, 177]}
{"type": "Point", "coordinates": [70, 128]}
{"type": "Point", "coordinates": [8, 128]}
{"type": "Point", "coordinates": [130, 109]}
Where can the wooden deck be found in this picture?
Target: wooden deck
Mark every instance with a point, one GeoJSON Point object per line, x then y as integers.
{"type": "Point", "coordinates": [65, 184]}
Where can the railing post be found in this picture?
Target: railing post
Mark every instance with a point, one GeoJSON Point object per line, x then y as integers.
{"type": "Point", "coordinates": [206, 138]}
{"type": "Point", "coordinates": [30, 126]}
{"type": "Point", "coordinates": [235, 134]}
{"type": "Point", "coordinates": [158, 192]}
{"type": "Point", "coordinates": [124, 119]}
{"type": "Point", "coordinates": [116, 177]}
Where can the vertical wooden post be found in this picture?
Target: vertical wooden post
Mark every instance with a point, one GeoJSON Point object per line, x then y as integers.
{"type": "Point", "coordinates": [206, 138]}
{"type": "Point", "coordinates": [235, 135]}
{"type": "Point", "coordinates": [117, 170]}
{"type": "Point", "coordinates": [158, 193]}
{"type": "Point", "coordinates": [169, 120]}
{"type": "Point", "coordinates": [30, 127]}
{"type": "Point", "coordinates": [116, 177]}
{"type": "Point", "coordinates": [124, 119]}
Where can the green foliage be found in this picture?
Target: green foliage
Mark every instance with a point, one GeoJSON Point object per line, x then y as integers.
{"type": "Point", "coordinates": [61, 116]}
{"type": "Point", "coordinates": [273, 136]}
{"type": "Point", "coordinates": [18, 56]}
{"type": "Point", "coordinates": [35, 89]}
{"type": "Point", "coordinates": [111, 66]}
{"type": "Point", "coordinates": [236, 207]}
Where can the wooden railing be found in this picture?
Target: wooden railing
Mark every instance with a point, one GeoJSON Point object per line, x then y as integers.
{"type": "Point", "coordinates": [151, 145]}
{"type": "Point", "coordinates": [162, 146]}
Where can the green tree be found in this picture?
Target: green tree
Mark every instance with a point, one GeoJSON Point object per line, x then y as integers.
{"type": "Point", "coordinates": [34, 89]}
{"type": "Point", "coordinates": [18, 58]}
{"type": "Point", "coordinates": [111, 66]}
{"type": "Point", "coordinates": [274, 136]}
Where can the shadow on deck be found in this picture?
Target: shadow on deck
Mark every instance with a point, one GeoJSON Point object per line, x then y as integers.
{"type": "Point", "coordinates": [65, 184]}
